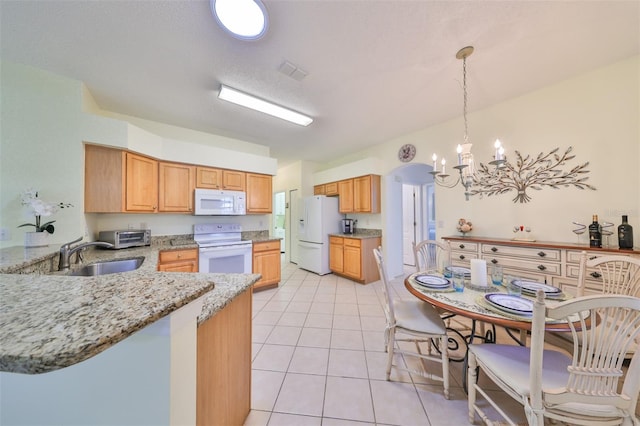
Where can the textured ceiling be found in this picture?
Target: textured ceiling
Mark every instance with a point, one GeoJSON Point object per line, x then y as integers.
{"type": "Point", "coordinates": [376, 69]}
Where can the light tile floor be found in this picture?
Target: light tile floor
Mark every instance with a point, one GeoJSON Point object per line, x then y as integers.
{"type": "Point", "coordinates": [318, 359]}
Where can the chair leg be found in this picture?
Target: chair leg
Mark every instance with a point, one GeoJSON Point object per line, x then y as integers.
{"type": "Point", "coordinates": [390, 346]}
{"type": "Point", "coordinates": [445, 365]}
{"type": "Point", "coordinates": [472, 376]}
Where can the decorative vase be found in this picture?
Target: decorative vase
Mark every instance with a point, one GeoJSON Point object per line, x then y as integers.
{"type": "Point", "coordinates": [36, 239]}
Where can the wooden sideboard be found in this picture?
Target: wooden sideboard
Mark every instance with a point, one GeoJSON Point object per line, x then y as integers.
{"type": "Point", "coordinates": [554, 263]}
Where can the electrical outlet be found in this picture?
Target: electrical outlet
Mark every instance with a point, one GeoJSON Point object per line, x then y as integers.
{"type": "Point", "coordinates": [5, 234]}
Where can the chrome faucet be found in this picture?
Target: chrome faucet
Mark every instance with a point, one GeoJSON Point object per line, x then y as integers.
{"type": "Point", "coordinates": [66, 251]}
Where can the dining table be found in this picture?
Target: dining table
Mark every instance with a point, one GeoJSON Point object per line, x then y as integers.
{"type": "Point", "coordinates": [474, 303]}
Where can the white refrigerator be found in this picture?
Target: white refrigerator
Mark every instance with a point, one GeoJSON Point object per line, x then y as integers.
{"type": "Point", "coordinates": [319, 217]}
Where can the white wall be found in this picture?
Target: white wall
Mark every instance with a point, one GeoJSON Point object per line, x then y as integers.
{"type": "Point", "coordinates": [596, 113]}
{"type": "Point", "coordinates": [44, 124]}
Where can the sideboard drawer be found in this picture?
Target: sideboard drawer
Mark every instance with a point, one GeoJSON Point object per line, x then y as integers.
{"type": "Point", "coordinates": [540, 267]}
{"type": "Point", "coordinates": [525, 252]}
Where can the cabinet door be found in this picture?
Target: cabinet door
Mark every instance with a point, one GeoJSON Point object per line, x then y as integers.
{"type": "Point", "coordinates": [319, 190]}
{"type": "Point", "coordinates": [189, 266]}
{"type": "Point", "coordinates": [353, 262]}
{"type": "Point", "coordinates": [176, 185]}
{"type": "Point", "coordinates": [209, 178]}
{"type": "Point", "coordinates": [142, 183]}
{"type": "Point", "coordinates": [233, 180]}
{"type": "Point", "coordinates": [336, 254]}
{"type": "Point", "coordinates": [104, 179]}
{"type": "Point", "coordinates": [366, 194]}
{"type": "Point", "coordinates": [259, 193]}
{"type": "Point", "coordinates": [267, 263]}
{"type": "Point", "coordinates": [345, 192]}
{"type": "Point", "coordinates": [331, 189]}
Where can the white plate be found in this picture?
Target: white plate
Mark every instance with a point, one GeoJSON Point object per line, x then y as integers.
{"type": "Point", "coordinates": [509, 303]}
{"type": "Point", "coordinates": [459, 269]}
{"type": "Point", "coordinates": [433, 281]}
{"type": "Point", "coordinates": [533, 286]}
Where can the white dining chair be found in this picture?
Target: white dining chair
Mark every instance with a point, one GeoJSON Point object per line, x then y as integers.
{"type": "Point", "coordinates": [579, 389]}
{"type": "Point", "coordinates": [431, 255]}
{"type": "Point", "coordinates": [416, 322]}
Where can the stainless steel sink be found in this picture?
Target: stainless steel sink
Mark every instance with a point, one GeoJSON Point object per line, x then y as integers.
{"type": "Point", "coordinates": [108, 267]}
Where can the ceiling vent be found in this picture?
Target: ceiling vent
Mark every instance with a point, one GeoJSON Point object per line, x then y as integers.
{"type": "Point", "coordinates": [291, 70]}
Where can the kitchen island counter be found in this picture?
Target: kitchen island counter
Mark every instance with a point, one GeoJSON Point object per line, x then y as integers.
{"type": "Point", "coordinates": [52, 321]}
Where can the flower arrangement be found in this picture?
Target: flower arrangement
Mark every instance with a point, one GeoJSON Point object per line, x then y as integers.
{"type": "Point", "coordinates": [464, 226]}
{"type": "Point", "coordinates": [40, 208]}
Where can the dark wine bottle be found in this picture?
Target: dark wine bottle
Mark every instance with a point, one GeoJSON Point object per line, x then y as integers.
{"type": "Point", "coordinates": [625, 234]}
{"type": "Point", "coordinates": [595, 233]}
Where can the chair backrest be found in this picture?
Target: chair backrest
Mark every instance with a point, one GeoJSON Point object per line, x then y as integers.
{"type": "Point", "coordinates": [619, 274]}
{"type": "Point", "coordinates": [598, 354]}
{"type": "Point", "coordinates": [388, 300]}
{"type": "Point", "coordinates": [431, 255]}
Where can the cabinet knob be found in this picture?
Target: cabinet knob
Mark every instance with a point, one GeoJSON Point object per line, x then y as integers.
{"type": "Point", "coordinates": [462, 257]}
{"type": "Point", "coordinates": [542, 267]}
{"type": "Point", "coordinates": [595, 274]}
{"type": "Point", "coordinates": [494, 249]}
{"type": "Point", "coordinates": [494, 261]}
{"type": "Point", "coordinates": [461, 246]}
{"type": "Point", "coordinates": [542, 254]}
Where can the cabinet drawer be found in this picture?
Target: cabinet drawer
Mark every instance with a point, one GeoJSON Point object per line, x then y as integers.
{"type": "Point", "coordinates": [352, 242]}
{"type": "Point", "coordinates": [336, 240]}
{"type": "Point", "coordinates": [540, 267]}
{"type": "Point", "coordinates": [266, 246]}
{"type": "Point", "coordinates": [464, 246]}
{"type": "Point", "coordinates": [175, 255]}
{"type": "Point", "coordinates": [530, 252]}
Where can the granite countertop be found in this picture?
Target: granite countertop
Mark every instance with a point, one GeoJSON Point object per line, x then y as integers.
{"type": "Point", "coordinates": [359, 234]}
{"type": "Point", "coordinates": [52, 321]}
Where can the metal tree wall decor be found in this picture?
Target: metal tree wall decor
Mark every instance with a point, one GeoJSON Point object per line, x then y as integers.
{"type": "Point", "coordinates": [529, 172]}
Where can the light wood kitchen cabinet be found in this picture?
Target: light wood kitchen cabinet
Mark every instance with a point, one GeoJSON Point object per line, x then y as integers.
{"type": "Point", "coordinates": [118, 181]}
{"type": "Point", "coordinates": [175, 187]}
{"type": "Point", "coordinates": [357, 261]}
{"type": "Point", "coordinates": [178, 260]}
{"type": "Point", "coordinates": [211, 178]}
{"type": "Point", "coordinates": [223, 377]}
{"type": "Point", "coordinates": [319, 190]}
{"type": "Point", "coordinates": [336, 254]}
{"type": "Point", "coordinates": [366, 194]}
{"type": "Point", "coordinates": [266, 261]}
{"type": "Point", "coordinates": [331, 189]}
{"type": "Point", "coordinates": [345, 195]}
{"type": "Point", "coordinates": [259, 193]}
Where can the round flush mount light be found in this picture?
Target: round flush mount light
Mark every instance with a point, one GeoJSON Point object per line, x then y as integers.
{"type": "Point", "coordinates": [243, 19]}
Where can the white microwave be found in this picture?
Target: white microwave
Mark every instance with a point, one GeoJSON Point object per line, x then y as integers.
{"type": "Point", "coordinates": [219, 203]}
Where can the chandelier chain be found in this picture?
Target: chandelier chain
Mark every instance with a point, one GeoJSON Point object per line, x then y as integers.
{"type": "Point", "coordinates": [464, 88]}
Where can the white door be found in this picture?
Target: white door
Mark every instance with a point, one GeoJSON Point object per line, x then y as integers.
{"type": "Point", "coordinates": [408, 223]}
{"type": "Point", "coordinates": [294, 217]}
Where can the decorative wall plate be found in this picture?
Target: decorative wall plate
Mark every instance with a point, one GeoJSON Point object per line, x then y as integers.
{"type": "Point", "coordinates": [406, 153]}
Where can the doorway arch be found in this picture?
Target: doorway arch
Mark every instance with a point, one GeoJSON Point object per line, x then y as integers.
{"type": "Point", "coordinates": [414, 174]}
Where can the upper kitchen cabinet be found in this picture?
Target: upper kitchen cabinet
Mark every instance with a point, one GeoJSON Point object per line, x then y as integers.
{"type": "Point", "coordinates": [345, 191]}
{"type": "Point", "coordinates": [176, 184]}
{"type": "Point", "coordinates": [366, 194]}
{"type": "Point", "coordinates": [119, 181]}
{"type": "Point", "coordinates": [259, 193]}
{"type": "Point", "coordinates": [359, 195]}
{"type": "Point", "coordinates": [232, 180]}
{"type": "Point", "coordinates": [328, 189]}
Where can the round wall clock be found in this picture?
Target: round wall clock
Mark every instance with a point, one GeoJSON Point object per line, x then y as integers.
{"type": "Point", "coordinates": [406, 153]}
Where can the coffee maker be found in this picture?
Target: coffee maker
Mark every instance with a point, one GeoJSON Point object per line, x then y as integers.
{"type": "Point", "coordinates": [348, 226]}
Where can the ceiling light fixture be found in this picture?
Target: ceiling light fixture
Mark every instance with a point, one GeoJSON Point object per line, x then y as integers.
{"type": "Point", "coordinates": [244, 19]}
{"type": "Point", "coordinates": [239, 98]}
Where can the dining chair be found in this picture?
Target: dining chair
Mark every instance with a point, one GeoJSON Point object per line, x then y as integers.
{"type": "Point", "coordinates": [431, 255]}
{"type": "Point", "coordinates": [579, 389]}
{"type": "Point", "coordinates": [416, 322]}
{"type": "Point", "coordinates": [617, 274]}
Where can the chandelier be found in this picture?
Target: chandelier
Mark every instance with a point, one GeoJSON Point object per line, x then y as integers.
{"type": "Point", "coordinates": [465, 165]}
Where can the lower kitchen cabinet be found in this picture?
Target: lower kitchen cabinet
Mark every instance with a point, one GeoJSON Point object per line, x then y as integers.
{"type": "Point", "coordinates": [223, 382]}
{"type": "Point", "coordinates": [178, 260]}
{"type": "Point", "coordinates": [266, 261]}
{"type": "Point", "coordinates": [353, 258]}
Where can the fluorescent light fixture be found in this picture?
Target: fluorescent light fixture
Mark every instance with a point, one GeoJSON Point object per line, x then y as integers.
{"type": "Point", "coordinates": [244, 19]}
{"type": "Point", "coordinates": [232, 95]}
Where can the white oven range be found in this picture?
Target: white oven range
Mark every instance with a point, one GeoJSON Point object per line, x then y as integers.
{"type": "Point", "coordinates": [222, 249]}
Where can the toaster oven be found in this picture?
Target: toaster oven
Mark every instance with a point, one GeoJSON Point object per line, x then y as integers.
{"type": "Point", "coordinates": [128, 238]}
